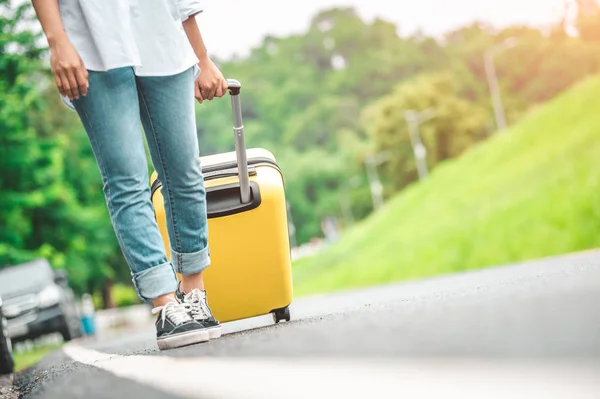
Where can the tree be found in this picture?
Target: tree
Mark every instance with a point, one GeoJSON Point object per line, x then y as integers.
{"type": "Point", "coordinates": [457, 124]}
{"type": "Point", "coordinates": [306, 91]}
{"type": "Point", "coordinates": [29, 166]}
{"type": "Point", "coordinates": [51, 201]}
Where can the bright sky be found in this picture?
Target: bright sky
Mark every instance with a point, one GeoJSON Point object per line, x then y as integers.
{"type": "Point", "coordinates": [233, 26]}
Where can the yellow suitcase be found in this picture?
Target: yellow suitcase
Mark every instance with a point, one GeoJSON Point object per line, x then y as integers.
{"type": "Point", "coordinates": [250, 273]}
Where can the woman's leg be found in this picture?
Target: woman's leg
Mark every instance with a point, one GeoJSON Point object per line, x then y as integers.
{"type": "Point", "coordinates": [110, 115]}
{"type": "Point", "coordinates": [169, 120]}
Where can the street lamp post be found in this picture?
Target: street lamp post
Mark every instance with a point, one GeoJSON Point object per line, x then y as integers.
{"type": "Point", "coordinates": [371, 163]}
{"type": "Point", "coordinates": [414, 120]}
{"type": "Point", "coordinates": [492, 78]}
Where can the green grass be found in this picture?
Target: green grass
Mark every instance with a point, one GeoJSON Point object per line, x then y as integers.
{"type": "Point", "coordinates": [531, 192]}
{"type": "Point", "coordinates": [27, 359]}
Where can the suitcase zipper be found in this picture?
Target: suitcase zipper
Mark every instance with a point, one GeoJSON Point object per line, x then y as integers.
{"type": "Point", "coordinates": [233, 164]}
{"type": "Point", "coordinates": [213, 169]}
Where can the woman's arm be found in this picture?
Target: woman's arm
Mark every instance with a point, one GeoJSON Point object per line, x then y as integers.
{"type": "Point", "coordinates": [68, 69]}
{"type": "Point", "coordinates": [210, 82]}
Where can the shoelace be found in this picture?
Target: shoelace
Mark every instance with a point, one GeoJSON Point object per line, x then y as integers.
{"type": "Point", "coordinates": [196, 300]}
{"type": "Point", "coordinates": [174, 311]}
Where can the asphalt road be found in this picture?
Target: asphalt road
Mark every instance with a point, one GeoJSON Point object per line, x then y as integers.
{"type": "Point", "coordinates": [530, 330]}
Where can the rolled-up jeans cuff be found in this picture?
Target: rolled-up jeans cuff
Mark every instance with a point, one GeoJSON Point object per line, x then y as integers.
{"type": "Point", "coordinates": [155, 281]}
{"type": "Point", "coordinates": [191, 263]}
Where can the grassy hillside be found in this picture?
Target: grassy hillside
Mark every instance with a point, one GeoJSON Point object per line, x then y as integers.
{"type": "Point", "coordinates": [533, 191]}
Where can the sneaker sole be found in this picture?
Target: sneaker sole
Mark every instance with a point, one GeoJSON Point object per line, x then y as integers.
{"type": "Point", "coordinates": [214, 332]}
{"type": "Point", "coordinates": [183, 339]}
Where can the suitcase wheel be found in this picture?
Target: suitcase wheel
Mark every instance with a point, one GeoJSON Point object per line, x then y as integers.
{"type": "Point", "coordinates": [281, 314]}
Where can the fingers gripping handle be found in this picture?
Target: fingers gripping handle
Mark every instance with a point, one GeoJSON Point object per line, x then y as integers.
{"type": "Point", "coordinates": [234, 88]}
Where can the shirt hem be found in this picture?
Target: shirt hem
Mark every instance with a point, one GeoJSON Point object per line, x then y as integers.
{"type": "Point", "coordinates": [95, 68]}
{"type": "Point", "coordinates": [169, 73]}
{"type": "Point", "coordinates": [137, 72]}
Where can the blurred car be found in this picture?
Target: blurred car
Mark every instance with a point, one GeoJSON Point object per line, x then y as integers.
{"type": "Point", "coordinates": [7, 364]}
{"type": "Point", "coordinates": [38, 301]}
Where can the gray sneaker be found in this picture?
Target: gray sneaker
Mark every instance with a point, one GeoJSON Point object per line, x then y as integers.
{"type": "Point", "coordinates": [200, 311]}
{"type": "Point", "coordinates": [175, 327]}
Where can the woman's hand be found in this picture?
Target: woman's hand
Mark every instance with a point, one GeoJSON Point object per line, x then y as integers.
{"type": "Point", "coordinates": [68, 69]}
{"type": "Point", "coordinates": [210, 83]}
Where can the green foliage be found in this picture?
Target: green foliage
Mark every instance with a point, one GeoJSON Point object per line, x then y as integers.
{"type": "Point", "coordinates": [33, 193]}
{"type": "Point", "coordinates": [456, 125]}
{"type": "Point", "coordinates": [531, 192]}
{"type": "Point", "coordinates": [312, 182]}
{"type": "Point", "coordinates": [309, 92]}
{"type": "Point", "coordinates": [302, 99]}
{"type": "Point", "coordinates": [29, 357]}
{"type": "Point", "coordinates": [124, 295]}
{"type": "Point", "coordinates": [51, 204]}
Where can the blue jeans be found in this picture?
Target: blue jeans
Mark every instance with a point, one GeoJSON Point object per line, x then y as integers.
{"type": "Point", "coordinates": [116, 107]}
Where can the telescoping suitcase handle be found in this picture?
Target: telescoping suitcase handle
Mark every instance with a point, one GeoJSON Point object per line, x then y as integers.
{"type": "Point", "coordinates": [234, 88]}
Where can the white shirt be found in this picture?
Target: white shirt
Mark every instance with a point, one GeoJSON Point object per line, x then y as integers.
{"type": "Point", "coordinates": [147, 35]}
